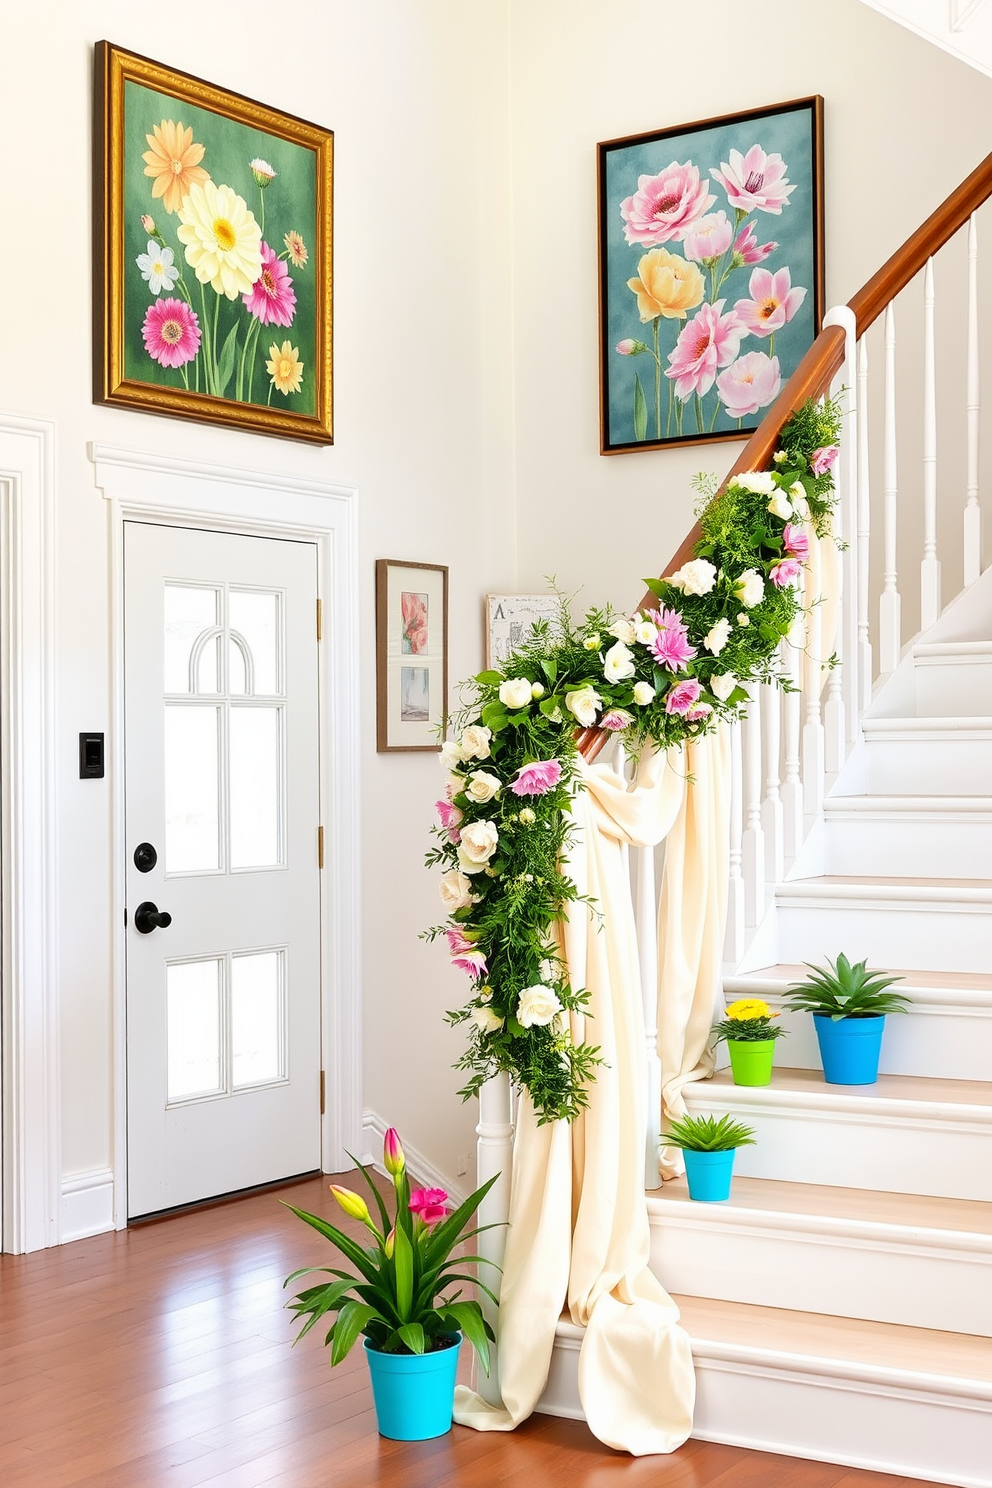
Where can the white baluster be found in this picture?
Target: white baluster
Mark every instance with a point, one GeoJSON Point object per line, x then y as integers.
{"type": "Point", "coordinates": [864, 537]}
{"type": "Point", "coordinates": [930, 567]}
{"type": "Point", "coordinates": [734, 940]}
{"type": "Point", "coordinates": [890, 604]}
{"type": "Point", "coordinates": [494, 1154]}
{"type": "Point", "coordinates": [753, 840]}
{"type": "Point", "coordinates": [840, 711]}
{"type": "Point", "coordinates": [814, 750]}
{"type": "Point", "coordinates": [793, 825]}
{"type": "Point", "coordinates": [772, 824]}
{"type": "Point", "coordinates": [646, 914]}
{"type": "Point", "coordinates": [972, 511]}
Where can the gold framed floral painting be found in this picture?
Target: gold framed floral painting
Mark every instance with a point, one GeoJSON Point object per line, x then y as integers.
{"type": "Point", "coordinates": [213, 219]}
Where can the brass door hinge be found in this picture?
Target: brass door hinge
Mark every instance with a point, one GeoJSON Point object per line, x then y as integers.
{"type": "Point", "coordinates": [320, 847]}
{"type": "Point", "coordinates": [320, 621]}
{"type": "Point", "coordinates": [323, 1093]}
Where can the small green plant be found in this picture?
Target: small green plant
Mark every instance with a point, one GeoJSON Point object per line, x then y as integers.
{"type": "Point", "coordinates": [705, 1134]}
{"type": "Point", "coordinates": [844, 991]}
{"type": "Point", "coordinates": [748, 1021]}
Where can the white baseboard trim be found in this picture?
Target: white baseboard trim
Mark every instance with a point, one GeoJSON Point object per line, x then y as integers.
{"type": "Point", "coordinates": [425, 1174]}
{"type": "Point", "coordinates": [87, 1204]}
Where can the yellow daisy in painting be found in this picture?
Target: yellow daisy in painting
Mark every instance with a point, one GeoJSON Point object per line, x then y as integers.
{"type": "Point", "coordinates": [746, 1008]}
{"type": "Point", "coordinates": [173, 162]}
{"type": "Point", "coordinates": [296, 248]}
{"type": "Point", "coordinates": [285, 368]}
{"type": "Point", "coordinates": [222, 238]}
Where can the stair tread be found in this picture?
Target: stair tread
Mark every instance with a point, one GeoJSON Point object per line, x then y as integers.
{"type": "Point", "coordinates": [892, 1346]}
{"type": "Point", "coordinates": [787, 973]}
{"type": "Point", "coordinates": [911, 1211]}
{"type": "Point", "coordinates": [893, 881]}
{"type": "Point", "coordinates": [888, 1087]}
{"type": "Point", "coordinates": [874, 801]}
{"type": "Point", "coordinates": [926, 723]}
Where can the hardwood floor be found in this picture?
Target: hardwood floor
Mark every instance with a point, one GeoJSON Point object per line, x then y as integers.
{"type": "Point", "coordinates": [160, 1358]}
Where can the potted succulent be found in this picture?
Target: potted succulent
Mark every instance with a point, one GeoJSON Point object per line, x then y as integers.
{"type": "Point", "coordinates": [849, 1004]}
{"type": "Point", "coordinates": [748, 1027]}
{"type": "Point", "coordinates": [396, 1297]}
{"type": "Point", "coordinates": [708, 1147]}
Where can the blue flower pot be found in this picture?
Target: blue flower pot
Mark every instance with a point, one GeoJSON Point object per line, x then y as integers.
{"type": "Point", "coordinates": [849, 1048]}
{"type": "Point", "coordinates": [708, 1174]}
{"type": "Point", "coordinates": [414, 1393]}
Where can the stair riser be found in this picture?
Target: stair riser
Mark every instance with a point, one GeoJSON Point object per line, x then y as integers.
{"type": "Point", "coordinates": [954, 689]}
{"type": "Point", "coordinates": [948, 766]}
{"type": "Point", "coordinates": [884, 844]}
{"type": "Point", "coordinates": [739, 1256]}
{"type": "Point", "coordinates": [921, 934]}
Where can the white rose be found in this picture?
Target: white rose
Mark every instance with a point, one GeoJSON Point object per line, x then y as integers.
{"type": "Point", "coordinates": [623, 630]}
{"type": "Point", "coordinates": [456, 891]}
{"type": "Point", "coordinates": [515, 692]}
{"type": "Point", "coordinates": [723, 685]}
{"type": "Point", "coordinates": [537, 691]}
{"type": "Point", "coordinates": [645, 632]}
{"type": "Point", "coordinates": [762, 482]}
{"type": "Point", "coordinates": [537, 1006]}
{"type": "Point", "coordinates": [584, 704]}
{"type": "Point", "coordinates": [697, 577]}
{"type": "Point", "coordinates": [618, 663]}
{"type": "Point", "coordinates": [479, 840]}
{"type": "Point", "coordinates": [482, 787]}
{"type": "Point", "coordinates": [474, 742]}
{"type": "Point", "coordinates": [486, 1020]}
{"type": "Point", "coordinates": [451, 754]}
{"type": "Point", "coordinates": [750, 588]}
{"type": "Point", "coordinates": [592, 642]}
{"type": "Point", "coordinates": [643, 693]}
{"type": "Point", "coordinates": [716, 637]}
{"type": "Point", "coordinates": [780, 506]}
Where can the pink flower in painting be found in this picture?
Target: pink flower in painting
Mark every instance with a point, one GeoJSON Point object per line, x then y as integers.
{"type": "Point", "coordinates": [630, 347]}
{"type": "Point", "coordinates": [747, 248]}
{"type": "Point", "coordinates": [683, 697]}
{"type": "Point", "coordinates": [272, 298]}
{"type": "Point", "coordinates": [171, 333]}
{"type": "Point", "coordinates": [708, 238]}
{"type": "Point", "coordinates": [429, 1204]}
{"type": "Point", "coordinates": [615, 719]}
{"type": "Point", "coordinates": [700, 711]}
{"type": "Point", "coordinates": [664, 206]}
{"type": "Point", "coordinates": [414, 612]}
{"type": "Point", "coordinates": [796, 542]}
{"type": "Point", "coordinates": [472, 962]}
{"type": "Point", "coordinates": [537, 779]}
{"type": "Point", "coordinates": [710, 340]}
{"type": "Point", "coordinates": [785, 572]}
{"type": "Point", "coordinates": [773, 301]}
{"type": "Point", "coordinates": [822, 459]}
{"type": "Point", "coordinates": [671, 645]}
{"type": "Point", "coordinates": [450, 815]}
{"type": "Point", "coordinates": [755, 181]}
{"type": "Point", "coordinates": [750, 383]}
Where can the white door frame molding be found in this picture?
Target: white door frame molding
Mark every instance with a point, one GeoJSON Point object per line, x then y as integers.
{"type": "Point", "coordinates": [30, 1117]}
{"type": "Point", "coordinates": [186, 493]}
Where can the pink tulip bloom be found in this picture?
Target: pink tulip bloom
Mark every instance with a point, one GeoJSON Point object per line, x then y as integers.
{"type": "Point", "coordinates": [615, 719]}
{"type": "Point", "coordinates": [785, 572]}
{"type": "Point", "coordinates": [683, 697]}
{"type": "Point", "coordinates": [671, 644]}
{"type": "Point", "coordinates": [748, 249]}
{"type": "Point", "coordinates": [665, 206]}
{"type": "Point", "coordinates": [755, 180]}
{"type": "Point", "coordinates": [429, 1204]}
{"type": "Point", "coordinates": [795, 542]}
{"type": "Point", "coordinates": [708, 238]}
{"type": "Point", "coordinates": [710, 340]}
{"type": "Point", "coordinates": [773, 301]}
{"type": "Point", "coordinates": [473, 963]}
{"type": "Point", "coordinates": [537, 778]}
{"type": "Point", "coordinates": [821, 460]}
{"type": "Point", "coordinates": [750, 383]}
{"type": "Point", "coordinates": [393, 1159]}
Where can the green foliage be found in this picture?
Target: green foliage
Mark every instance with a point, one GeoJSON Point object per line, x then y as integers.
{"type": "Point", "coordinates": [845, 991]}
{"type": "Point", "coordinates": [748, 1030]}
{"type": "Point", "coordinates": [706, 1134]}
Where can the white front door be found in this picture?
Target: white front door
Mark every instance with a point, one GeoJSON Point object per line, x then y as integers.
{"type": "Point", "coordinates": [223, 886]}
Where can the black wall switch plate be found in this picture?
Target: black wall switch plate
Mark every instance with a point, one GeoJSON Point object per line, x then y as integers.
{"type": "Point", "coordinates": [91, 756]}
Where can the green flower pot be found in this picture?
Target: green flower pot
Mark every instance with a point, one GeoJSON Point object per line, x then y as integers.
{"type": "Point", "coordinates": [751, 1060]}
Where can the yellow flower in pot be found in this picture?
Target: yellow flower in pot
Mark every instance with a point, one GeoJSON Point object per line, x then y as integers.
{"type": "Point", "coordinates": [750, 1030]}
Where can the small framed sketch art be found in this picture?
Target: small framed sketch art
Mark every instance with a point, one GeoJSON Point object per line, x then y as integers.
{"type": "Point", "coordinates": [510, 618]}
{"type": "Point", "coordinates": [411, 612]}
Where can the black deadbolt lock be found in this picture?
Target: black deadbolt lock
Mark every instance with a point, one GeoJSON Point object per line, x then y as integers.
{"type": "Point", "coordinates": [145, 857]}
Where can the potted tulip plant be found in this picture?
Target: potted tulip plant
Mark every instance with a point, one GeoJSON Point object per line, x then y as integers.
{"type": "Point", "coordinates": [708, 1147]}
{"type": "Point", "coordinates": [397, 1297]}
{"type": "Point", "coordinates": [849, 1004]}
{"type": "Point", "coordinates": [750, 1031]}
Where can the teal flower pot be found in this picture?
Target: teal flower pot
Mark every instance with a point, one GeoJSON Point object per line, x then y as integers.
{"type": "Point", "coordinates": [849, 1048]}
{"type": "Point", "coordinates": [709, 1174]}
{"type": "Point", "coordinates": [414, 1393]}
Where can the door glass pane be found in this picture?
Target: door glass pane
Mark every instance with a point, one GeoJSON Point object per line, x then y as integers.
{"type": "Point", "coordinates": [256, 787]}
{"type": "Point", "coordinates": [256, 616]}
{"type": "Point", "coordinates": [193, 993]}
{"type": "Point", "coordinates": [192, 837]}
{"type": "Point", "coordinates": [257, 1018]}
{"type": "Point", "coordinates": [188, 612]}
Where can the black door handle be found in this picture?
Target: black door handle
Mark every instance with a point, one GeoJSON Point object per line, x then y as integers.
{"type": "Point", "coordinates": [148, 917]}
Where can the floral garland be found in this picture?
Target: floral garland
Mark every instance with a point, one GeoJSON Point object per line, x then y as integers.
{"type": "Point", "coordinates": [663, 675]}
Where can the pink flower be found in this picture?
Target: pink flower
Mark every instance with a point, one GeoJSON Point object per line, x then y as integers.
{"type": "Point", "coordinates": [450, 815]}
{"type": "Point", "coordinates": [429, 1204]}
{"type": "Point", "coordinates": [414, 611]}
{"type": "Point", "coordinates": [785, 572]}
{"type": "Point", "coordinates": [701, 710]}
{"type": "Point", "coordinates": [537, 779]}
{"type": "Point", "coordinates": [171, 332]}
{"type": "Point", "coordinates": [748, 249]}
{"type": "Point", "coordinates": [393, 1159]}
{"type": "Point", "coordinates": [821, 460]}
{"type": "Point", "coordinates": [755, 180]}
{"type": "Point", "coordinates": [630, 347]}
{"type": "Point", "coordinates": [683, 696]}
{"type": "Point", "coordinates": [458, 942]}
{"type": "Point", "coordinates": [471, 962]}
{"type": "Point", "coordinates": [710, 340]}
{"type": "Point", "coordinates": [750, 383]}
{"type": "Point", "coordinates": [616, 718]}
{"type": "Point", "coordinates": [709, 238]}
{"type": "Point", "coordinates": [272, 298]}
{"type": "Point", "coordinates": [671, 645]}
{"type": "Point", "coordinates": [773, 301]}
{"type": "Point", "coordinates": [796, 542]}
{"type": "Point", "coordinates": [665, 206]}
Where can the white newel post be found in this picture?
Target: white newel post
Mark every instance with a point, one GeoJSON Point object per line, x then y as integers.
{"type": "Point", "coordinates": [972, 511]}
{"type": "Point", "coordinates": [494, 1154]}
{"type": "Point", "coordinates": [646, 915]}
